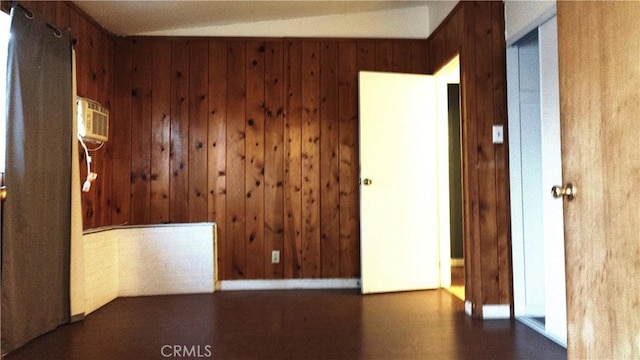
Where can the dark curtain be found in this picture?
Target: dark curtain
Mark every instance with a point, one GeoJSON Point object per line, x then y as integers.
{"type": "Point", "coordinates": [37, 211]}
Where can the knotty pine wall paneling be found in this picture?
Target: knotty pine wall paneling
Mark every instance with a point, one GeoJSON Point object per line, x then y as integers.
{"type": "Point", "coordinates": [349, 161]}
{"type": "Point", "coordinates": [475, 31]}
{"type": "Point", "coordinates": [254, 162]}
{"type": "Point", "coordinates": [293, 161]}
{"type": "Point", "coordinates": [217, 148]}
{"type": "Point", "coordinates": [486, 169]}
{"type": "Point", "coordinates": [236, 159]}
{"type": "Point", "coordinates": [310, 159]}
{"type": "Point", "coordinates": [141, 133]}
{"type": "Point", "coordinates": [160, 131]}
{"type": "Point", "coordinates": [501, 157]}
{"type": "Point", "coordinates": [198, 130]}
{"type": "Point", "coordinates": [179, 133]}
{"type": "Point", "coordinates": [120, 133]}
{"type": "Point", "coordinates": [258, 135]}
{"type": "Point", "coordinates": [274, 114]}
{"type": "Point", "coordinates": [329, 165]}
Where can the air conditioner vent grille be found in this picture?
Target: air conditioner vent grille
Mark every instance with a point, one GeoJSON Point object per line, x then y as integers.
{"type": "Point", "coordinates": [93, 120]}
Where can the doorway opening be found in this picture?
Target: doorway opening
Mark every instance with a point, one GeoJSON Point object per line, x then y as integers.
{"type": "Point", "coordinates": [449, 128]}
{"type": "Point", "coordinates": [420, 257]}
{"type": "Point", "coordinates": [456, 229]}
{"type": "Point", "coordinates": [535, 167]}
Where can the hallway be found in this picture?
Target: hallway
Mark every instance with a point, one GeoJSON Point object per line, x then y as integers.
{"type": "Point", "coordinates": [292, 324]}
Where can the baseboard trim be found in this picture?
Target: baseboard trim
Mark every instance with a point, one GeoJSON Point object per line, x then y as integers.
{"type": "Point", "coordinates": [494, 312]}
{"type": "Point", "coordinates": [288, 284]}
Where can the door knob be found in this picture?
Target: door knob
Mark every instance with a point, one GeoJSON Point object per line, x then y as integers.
{"type": "Point", "coordinates": [367, 182]}
{"type": "Point", "coordinates": [568, 191]}
{"type": "Point", "coordinates": [3, 192]}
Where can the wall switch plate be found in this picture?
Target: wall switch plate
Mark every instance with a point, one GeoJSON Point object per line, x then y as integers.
{"type": "Point", "coordinates": [275, 257]}
{"type": "Point", "coordinates": [498, 134]}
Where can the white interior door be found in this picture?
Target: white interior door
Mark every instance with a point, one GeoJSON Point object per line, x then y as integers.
{"type": "Point", "coordinates": [399, 195]}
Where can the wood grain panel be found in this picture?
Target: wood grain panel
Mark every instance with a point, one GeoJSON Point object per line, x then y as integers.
{"type": "Point", "coordinates": [236, 135]}
{"type": "Point", "coordinates": [419, 57]}
{"type": "Point", "coordinates": [311, 159]}
{"type": "Point", "coordinates": [351, 57]}
{"type": "Point", "coordinates": [179, 133]}
{"type": "Point", "coordinates": [293, 162]}
{"type": "Point", "coordinates": [384, 55]}
{"type": "Point", "coordinates": [503, 207]}
{"type": "Point", "coordinates": [217, 145]}
{"type": "Point", "coordinates": [274, 157]}
{"type": "Point", "coordinates": [105, 86]}
{"type": "Point", "coordinates": [366, 60]}
{"type": "Point", "coordinates": [470, 176]}
{"type": "Point", "coordinates": [599, 103]}
{"type": "Point", "coordinates": [120, 128]}
{"type": "Point", "coordinates": [160, 126]}
{"type": "Point", "coordinates": [402, 59]}
{"type": "Point", "coordinates": [83, 54]}
{"type": "Point", "coordinates": [141, 133]}
{"type": "Point", "coordinates": [254, 175]}
{"type": "Point", "coordinates": [330, 162]}
{"type": "Point", "coordinates": [486, 158]}
{"type": "Point", "coordinates": [198, 129]}
{"type": "Point", "coordinates": [581, 112]}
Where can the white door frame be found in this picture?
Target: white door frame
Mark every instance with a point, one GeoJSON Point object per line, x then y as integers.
{"type": "Point", "coordinates": [448, 74]}
{"type": "Point", "coordinates": [552, 218]}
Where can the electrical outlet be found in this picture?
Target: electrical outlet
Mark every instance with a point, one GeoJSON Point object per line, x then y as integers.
{"type": "Point", "coordinates": [275, 257]}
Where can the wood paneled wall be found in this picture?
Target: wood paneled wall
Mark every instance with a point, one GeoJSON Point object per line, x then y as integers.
{"type": "Point", "coordinates": [258, 135]}
{"type": "Point", "coordinates": [599, 68]}
{"type": "Point", "coordinates": [475, 31]}
{"type": "Point", "coordinates": [261, 136]}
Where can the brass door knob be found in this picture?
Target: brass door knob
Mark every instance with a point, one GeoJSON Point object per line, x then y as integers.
{"type": "Point", "coordinates": [3, 192]}
{"type": "Point", "coordinates": [568, 191]}
{"type": "Point", "coordinates": [367, 182]}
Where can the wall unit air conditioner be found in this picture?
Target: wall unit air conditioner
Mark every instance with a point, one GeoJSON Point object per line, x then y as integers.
{"type": "Point", "coordinates": [93, 121]}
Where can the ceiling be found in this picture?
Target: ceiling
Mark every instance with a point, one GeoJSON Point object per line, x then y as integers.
{"type": "Point", "coordinates": [132, 17]}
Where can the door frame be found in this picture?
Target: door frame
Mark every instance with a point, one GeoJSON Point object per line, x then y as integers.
{"type": "Point", "coordinates": [554, 257]}
{"type": "Point", "coordinates": [448, 74]}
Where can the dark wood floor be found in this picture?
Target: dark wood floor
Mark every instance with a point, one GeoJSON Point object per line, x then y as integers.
{"type": "Point", "coordinates": [327, 324]}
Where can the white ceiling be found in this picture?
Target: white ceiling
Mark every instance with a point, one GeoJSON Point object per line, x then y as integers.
{"type": "Point", "coordinates": [133, 17]}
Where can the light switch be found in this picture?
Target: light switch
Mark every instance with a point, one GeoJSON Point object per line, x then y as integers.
{"type": "Point", "coordinates": [498, 134]}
